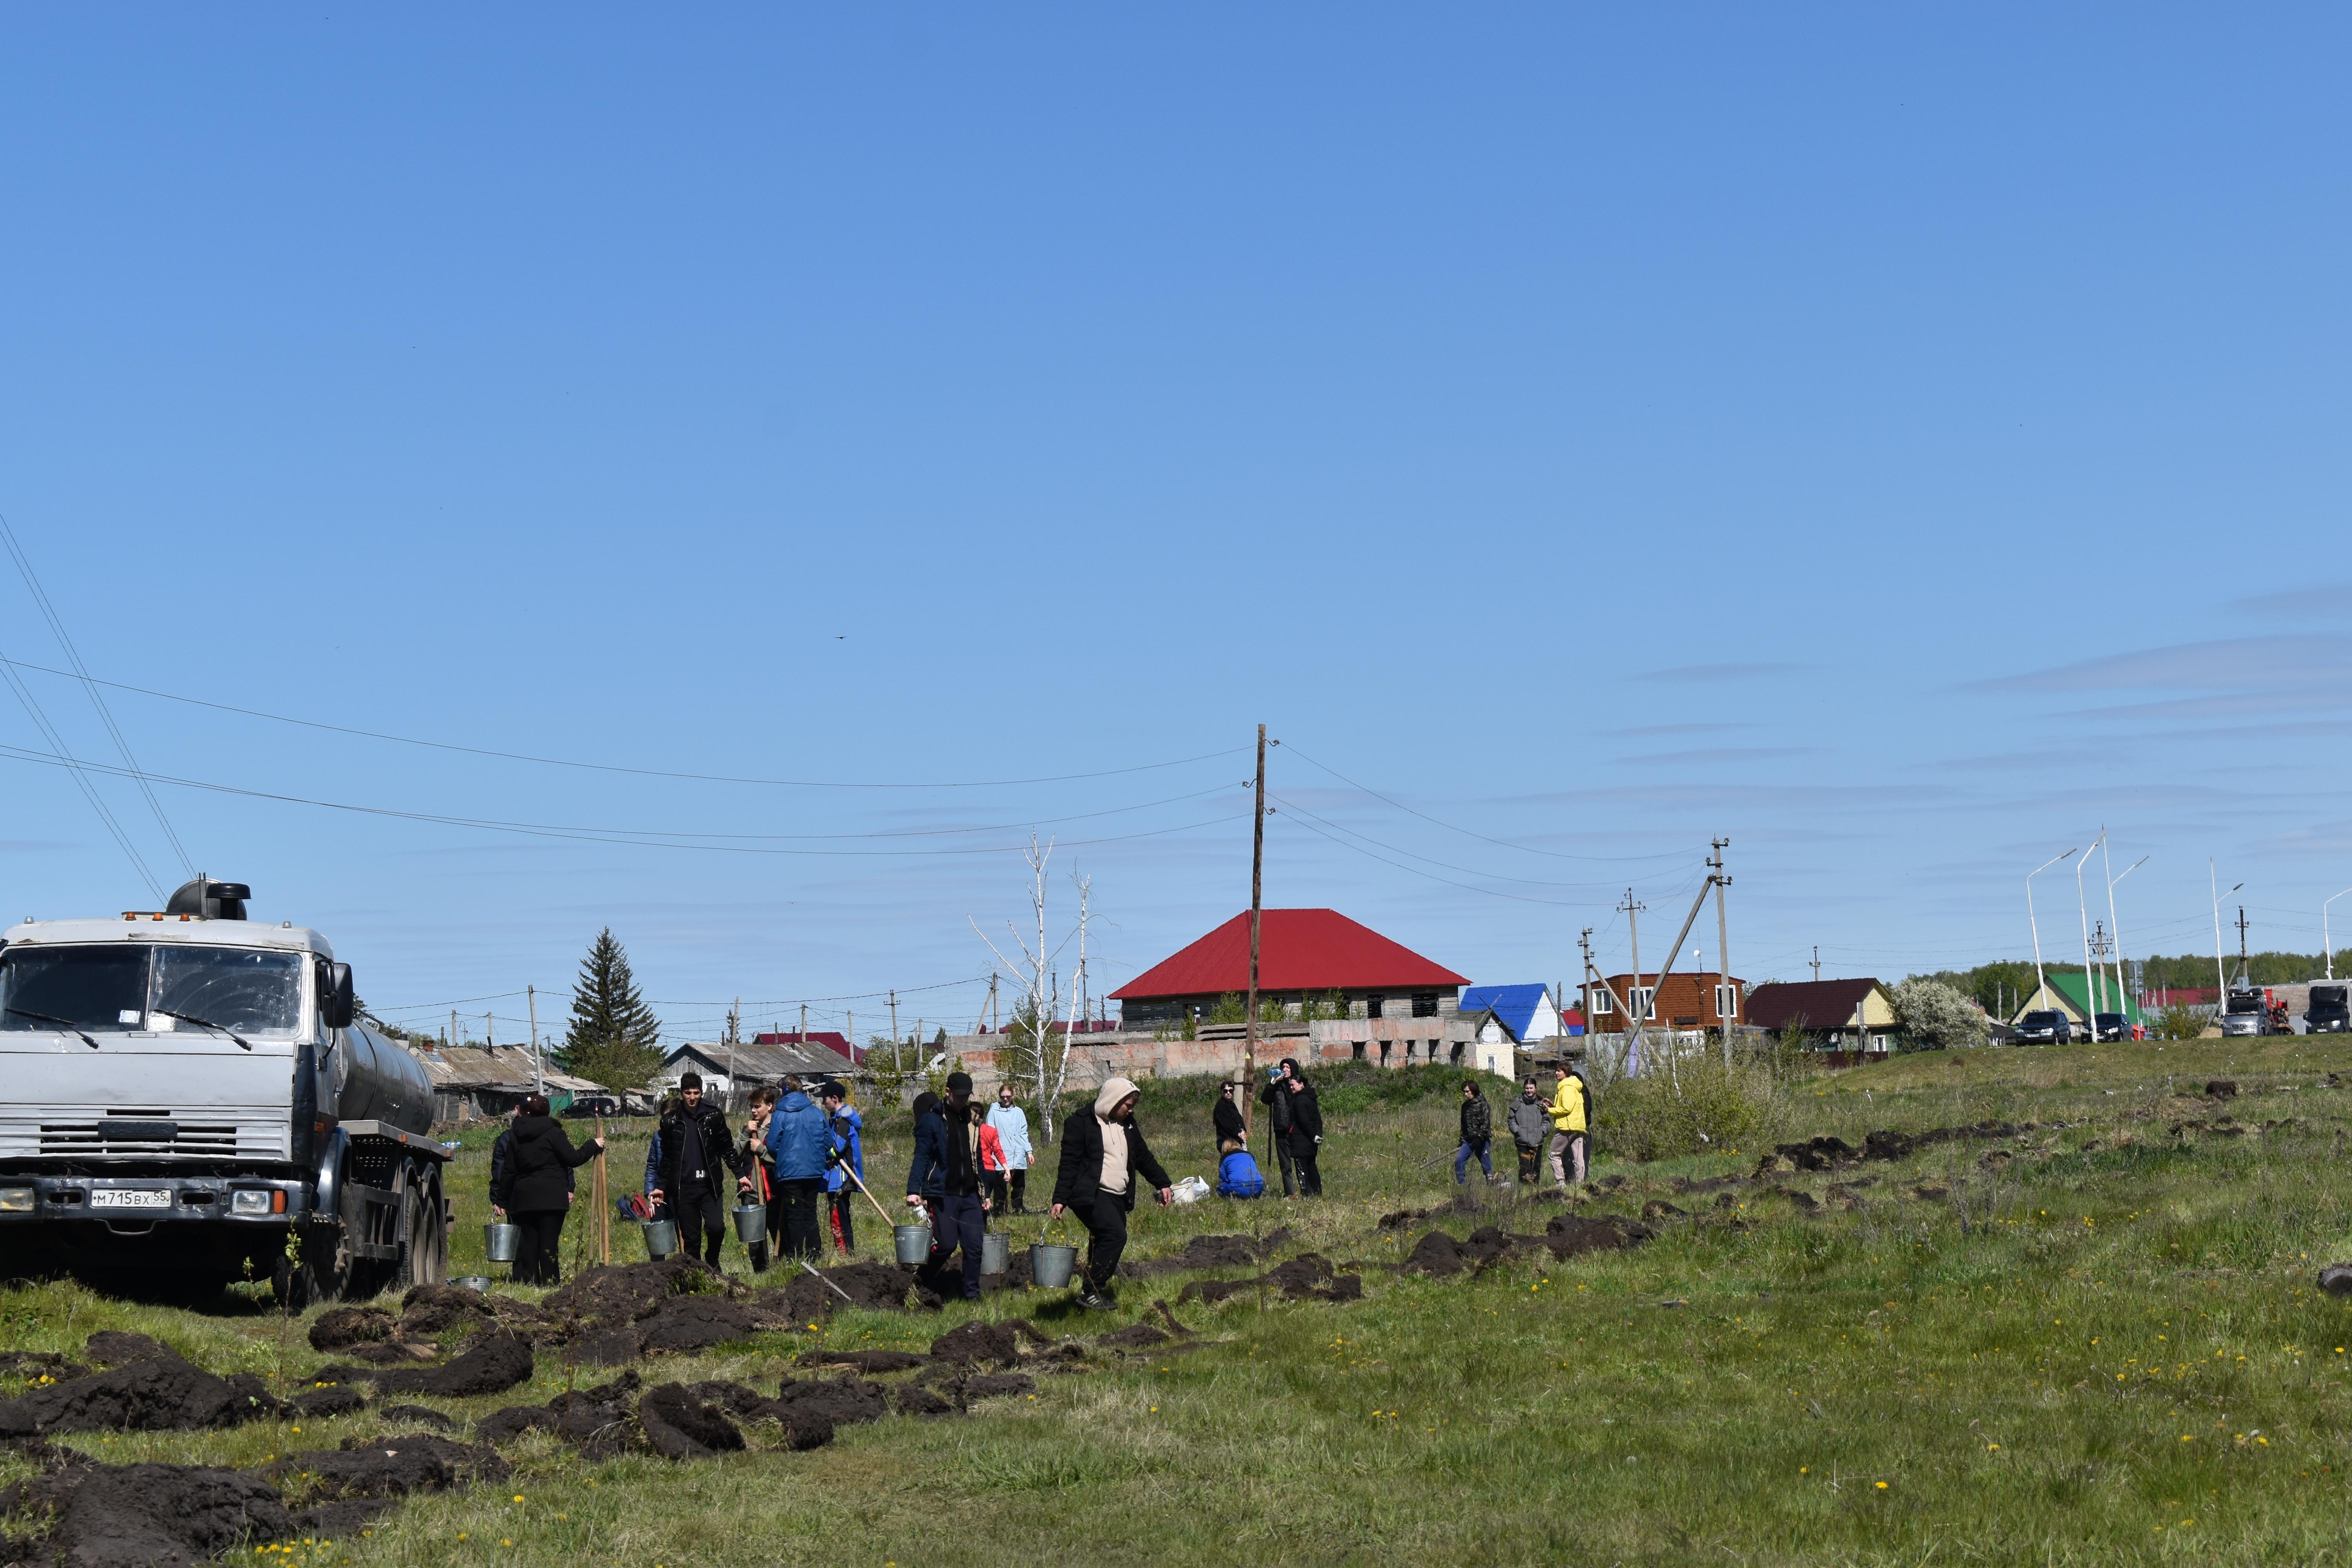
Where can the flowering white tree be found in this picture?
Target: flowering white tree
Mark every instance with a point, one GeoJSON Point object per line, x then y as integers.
{"type": "Point", "coordinates": [1937, 1016]}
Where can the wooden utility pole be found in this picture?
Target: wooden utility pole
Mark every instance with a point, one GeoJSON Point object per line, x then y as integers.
{"type": "Point", "coordinates": [538, 1060]}
{"type": "Point", "coordinates": [1725, 1017]}
{"type": "Point", "coordinates": [1258, 916]}
{"type": "Point", "coordinates": [802, 1038]}
{"type": "Point", "coordinates": [893, 1025]}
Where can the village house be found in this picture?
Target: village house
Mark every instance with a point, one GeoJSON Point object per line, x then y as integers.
{"type": "Point", "coordinates": [727, 1068]}
{"type": "Point", "coordinates": [1684, 999]}
{"type": "Point", "coordinates": [2068, 993]}
{"type": "Point", "coordinates": [1847, 1016]}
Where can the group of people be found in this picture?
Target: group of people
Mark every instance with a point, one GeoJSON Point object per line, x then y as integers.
{"type": "Point", "coordinates": [1561, 1127]}
{"type": "Point", "coordinates": [801, 1156]}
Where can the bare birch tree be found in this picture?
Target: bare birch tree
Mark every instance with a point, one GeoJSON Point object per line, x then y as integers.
{"type": "Point", "coordinates": [1035, 1061]}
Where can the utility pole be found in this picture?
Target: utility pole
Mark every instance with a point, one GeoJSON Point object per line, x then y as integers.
{"type": "Point", "coordinates": [538, 1059]}
{"type": "Point", "coordinates": [490, 1033]}
{"type": "Point", "coordinates": [2245, 978]}
{"type": "Point", "coordinates": [2115, 924]}
{"type": "Point", "coordinates": [1257, 910]}
{"type": "Point", "coordinates": [802, 1038]}
{"type": "Point", "coordinates": [1726, 992]}
{"type": "Point", "coordinates": [894, 1024]}
{"type": "Point", "coordinates": [1632, 910]}
{"type": "Point", "coordinates": [2090, 984]}
{"type": "Point", "coordinates": [453, 1025]}
{"type": "Point", "coordinates": [1817, 963]}
{"type": "Point", "coordinates": [734, 1030]}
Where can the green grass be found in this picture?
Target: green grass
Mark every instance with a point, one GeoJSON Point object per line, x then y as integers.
{"type": "Point", "coordinates": [2109, 1349]}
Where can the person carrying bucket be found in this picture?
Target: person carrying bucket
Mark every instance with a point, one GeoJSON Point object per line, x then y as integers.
{"type": "Point", "coordinates": [759, 1183]}
{"type": "Point", "coordinates": [1011, 1124]}
{"type": "Point", "coordinates": [800, 1142]}
{"type": "Point", "coordinates": [1103, 1153]}
{"type": "Point", "coordinates": [696, 1144]}
{"type": "Point", "coordinates": [535, 1187]}
{"type": "Point", "coordinates": [848, 1131]}
{"type": "Point", "coordinates": [945, 1179]}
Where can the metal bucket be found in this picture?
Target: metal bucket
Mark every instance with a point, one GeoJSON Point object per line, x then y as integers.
{"type": "Point", "coordinates": [661, 1238]}
{"type": "Point", "coordinates": [750, 1224]}
{"type": "Point", "coordinates": [1051, 1264]}
{"type": "Point", "coordinates": [914, 1243]}
{"type": "Point", "coordinates": [481, 1282]}
{"type": "Point", "coordinates": [995, 1251]}
{"type": "Point", "coordinates": [502, 1242]}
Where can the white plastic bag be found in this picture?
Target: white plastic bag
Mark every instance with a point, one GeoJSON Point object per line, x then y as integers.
{"type": "Point", "coordinates": [1190, 1189]}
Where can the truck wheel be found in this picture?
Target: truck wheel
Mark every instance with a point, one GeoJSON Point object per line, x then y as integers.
{"type": "Point", "coordinates": [324, 1274]}
{"type": "Point", "coordinates": [423, 1236]}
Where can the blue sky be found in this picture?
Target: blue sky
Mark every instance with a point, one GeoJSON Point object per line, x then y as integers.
{"type": "Point", "coordinates": [1899, 443]}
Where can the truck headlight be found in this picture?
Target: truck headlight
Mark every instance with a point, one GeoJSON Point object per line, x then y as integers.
{"type": "Point", "coordinates": [16, 1200]}
{"type": "Point", "coordinates": [248, 1203]}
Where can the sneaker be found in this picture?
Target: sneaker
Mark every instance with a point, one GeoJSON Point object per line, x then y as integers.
{"type": "Point", "coordinates": [1092, 1302]}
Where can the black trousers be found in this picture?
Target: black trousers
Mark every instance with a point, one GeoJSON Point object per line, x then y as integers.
{"type": "Point", "coordinates": [1105, 1223]}
{"type": "Point", "coordinates": [760, 1250]}
{"type": "Point", "coordinates": [701, 1225]}
{"type": "Point", "coordinates": [799, 1195]}
{"type": "Point", "coordinates": [1020, 1190]}
{"type": "Point", "coordinates": [957, 1224]}
{"type": "Point", "coordinates": [1298, 1153]}
{"type": "Point", "coordinates": [540, 1250]}
{"type": "Point", "coordinates": [1530, 1154]}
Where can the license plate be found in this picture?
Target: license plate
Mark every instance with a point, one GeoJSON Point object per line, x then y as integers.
{"type": "Point", "coordinates": [129, 1198]}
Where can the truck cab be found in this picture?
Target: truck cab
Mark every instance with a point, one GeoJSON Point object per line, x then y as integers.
{"type": "Point", "coordinates": [2244, 1011]}
{"type": "Point", "coordinates": [2327, 1013]}
{"type": "Point", "coordinates": [186, 1098]}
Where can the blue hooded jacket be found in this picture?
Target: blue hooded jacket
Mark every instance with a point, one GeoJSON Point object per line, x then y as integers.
{"type": "Point", "coordinates": [797, 1140]}
{"type": "Point", "coordinates": [849, 1142]}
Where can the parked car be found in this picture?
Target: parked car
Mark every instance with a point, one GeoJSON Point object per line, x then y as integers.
{"type": "Point", "coordinates": [583, 1105]}
{"type": "Point", "coordinates": [2111, 1027]}
{"type": "Point", "coordinates": [2244, 1013]}
{"type": "Point", "coordinates": [2047, 1027]}
{"type": "Point", "coordinates": [2329, 1012]}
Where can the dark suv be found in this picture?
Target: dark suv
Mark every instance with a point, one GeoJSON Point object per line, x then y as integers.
{"type": "Point", "coordinates": [2111, 1027]}
{"type": "Point", "coordinates": [2048, 1028]}
{"type": "Point", "coordinates": [2327, 1013]}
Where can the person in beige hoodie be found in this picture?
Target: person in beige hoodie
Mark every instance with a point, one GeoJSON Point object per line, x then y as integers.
{"type": "Point", "coordinates": [1103, 1153]}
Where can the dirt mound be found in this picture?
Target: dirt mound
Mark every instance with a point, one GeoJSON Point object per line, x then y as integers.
{"type": "Point", "coordinates": [394, 1352]}
{"type": "Point", "coordinates": [1438, 1255]}
{"type": "Point", "coordinates": [916, 1400]}
{"type": "Point", "coordinates": [2221, 1088]}
{"type": "Point", "coordinates": [843, 1401]}
{"type": "Point", "coordinates": [418, 1415]}
{"type": "Point", "coordinates": [430, 1309]}
{"type": "Point", "coordinates": [506, 1424]}
{"type": "Point", "coordinates": [882, 1286]}
{"type": "Point", "coordinates": [1134, 1337]}
{"type": "Point", "coordinates": [131, 1516]}
{"type": "Point", "coordinates": [340, 1328]}
{"type": "Point", "coordinates": [332, 1400]}
{"type": "Point", "coordinates": [977, 1341]}
{"type": "Point", "coordinates": [998, 1385]}
{"type": "Point", "coordinates": [680, 1425]}
{"type": "Point", "coordinates": [1201, 1252]}
{"type": "Point", "coordinates": [492, 1365]}
{"type": "Point", "coordinates": [630, 1292]}
{"type": "Point", "coordinates": [803, 1428]}
{"type": "Point", "coordinates": [1568, 1235]}
{"type": "Point", "coordinates": [116, 1347]}
{"type": "Point", "coordinates": [1307, 1277]}
{"type": "Point", "coordinates": [390, 1467]}
{"type": "Point", "coordinates": [161, 1393]}
{"type": "Point", "coordinates": [32, 1364]}
{"type": "Point", "coordinates": [735, 1398]}
{"type": "Point", "coordinates": [870, 1361]}
{"type": "Point", "coordinates": [696, 1322]}
{"type": "Point", "coordinates": [1658, 1208]}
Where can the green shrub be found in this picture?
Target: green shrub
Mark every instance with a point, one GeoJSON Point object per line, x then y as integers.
{"type": "Point", "coordinates": [1661, 1115]}
{"type": "Point", "coordinates": [2179, 1024]}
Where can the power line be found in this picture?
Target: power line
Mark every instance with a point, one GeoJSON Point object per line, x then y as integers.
{"type": "Point", "coordinates": [1527, 849]}
{"type": "Point", "coordinates": [1292, 805]}
{"type": "Point", "coordinates": [65, 758]}
{"type": "Point", "coordinates": [616, 767]}
{"type": "Point", "coordinates": [617, 836]}
{"type": "Point", "coordinates": [97, 699]}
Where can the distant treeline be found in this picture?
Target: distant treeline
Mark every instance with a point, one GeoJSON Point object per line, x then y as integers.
{"type": "Point", "coordinates": [2001, 985]}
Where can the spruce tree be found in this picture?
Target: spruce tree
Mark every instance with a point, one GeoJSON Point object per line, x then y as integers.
{"type": "Point", "coordinates": [613, 1037]}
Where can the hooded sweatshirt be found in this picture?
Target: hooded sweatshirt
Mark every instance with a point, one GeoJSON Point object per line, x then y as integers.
{"type": "Point", "coordinates": [1115, 1178]}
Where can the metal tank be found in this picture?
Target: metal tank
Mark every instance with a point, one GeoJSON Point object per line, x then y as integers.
{"type": "Point", "coordinates": [371, 1078]}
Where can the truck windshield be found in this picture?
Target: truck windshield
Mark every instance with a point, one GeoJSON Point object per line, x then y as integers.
{"type": "Point", "coordinates": [2243, 1002]}
{"type": "Point", "coordinates": [2327, 995]}
{"type": "Point", "coordinates": [151, 987]}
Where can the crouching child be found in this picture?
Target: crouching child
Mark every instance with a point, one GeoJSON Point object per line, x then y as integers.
{"type": "Point", "coordinates": [1237, 1175]}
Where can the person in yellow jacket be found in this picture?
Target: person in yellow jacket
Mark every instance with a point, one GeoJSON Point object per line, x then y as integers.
{"type": "Point", "coordinates": [1568, 1129]}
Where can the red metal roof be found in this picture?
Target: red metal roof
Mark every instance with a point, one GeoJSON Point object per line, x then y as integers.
{"type": "Point", "coordinates": [1299, 950]}
{"type": "Point", "coordinates": [833, 1040]}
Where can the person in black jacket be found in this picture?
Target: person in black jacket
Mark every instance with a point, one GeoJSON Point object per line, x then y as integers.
{"type": "Point", "coordinates": [944, 1181]}
{"type": "Point", "coordinates": [697, 1146]}
{"type": "Point", "coordinates": [1297, 1129]}
{"type": "Point", "coordinates": [533, 1186]}
{"type": "Point", "coordinates": [1103, 1153]}
{"type": "Point", "coordinates": [1226, 1120]}
{"type": "Point", "coordinates": [1477, 1135]}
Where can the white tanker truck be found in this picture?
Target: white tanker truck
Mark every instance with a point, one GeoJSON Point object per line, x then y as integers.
{"type": "Point", "coordinates": [185, 1099]}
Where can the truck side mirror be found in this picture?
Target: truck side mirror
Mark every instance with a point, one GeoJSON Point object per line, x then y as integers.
{"type": "Point", "coordinates": [335, 1001]}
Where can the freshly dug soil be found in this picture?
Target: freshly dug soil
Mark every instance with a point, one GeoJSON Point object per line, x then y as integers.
{"type": "Point", "coordinates": [870, 1361]}
{"type": "Point", "coordinates": [30, 1364]}
{"type": "Point", "coordinates": [332, 1400]}
{"type": "Point", "coordinates": [394, 1352]}
{"type": "Point", "coordinates": [340, 1328]}
{"type": "Point", "coordinates": [1567, 1234]}
{"type": "Point", "coordinates": [431, 1310]}
{"type": "Point", "coordinates": [492, 1365]}
{"type": "Point", "coordinates": [158, 1394]}
{"type": "Point", "coordinates": [597, 1419]}
{"type": "Point", "coordinates": [504, 1425]}
{"type": "Point", "coordinates": [697, 1322]}
{"type": "Point", "coordinates": [978, 1341]}
{"type": "Point", "coordinates": [916, 1400]}
{"type": "Point", "coordinates": [998, 1385]}
{"type": "Point", "coordinates": [391, 1467]}
{"type": "Point", "coordinates": [1201, 1252]}
{"type": "Point", "coordinates": [679, 1425]}
{"type": "Point", "coordinates": [1307, 1277]}
{"type": "Point", "coordinates": [115, 1347]}
{"type": "Point", "coordinates": [132, 1516]}
{"type": "Point", "coordinates": [845, 1401]}
{"type": "Point", "coordinates": [735, 1398]}
{"type": "Point", "coordinates": [1134, 1337]}
{"type": "Point", "coordinates": [871, 1285]}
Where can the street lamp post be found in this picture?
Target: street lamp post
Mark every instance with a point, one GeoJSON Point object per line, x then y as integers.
{"type": "Point", "coordinates": [2116, 926]}
{"type": "Point", "coordinates": [2221, 976]}
{"type": "Point", "coordinates": [2041, 985]}
{"type": "Point", "coordinates": [2325, 940]}
{"type": "Point", "coordinates": [2091, 987]}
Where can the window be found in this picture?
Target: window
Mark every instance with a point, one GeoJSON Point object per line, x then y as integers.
{"type": "Point", "coordinates": [1603, 1002]}
{"type": "Point", "coordinates": [1727, 1000]}
{"type": "Point", "coordinates": [1372, 1005]}
{"type": "Point", "coordinates": [1384, 1053]}
{"type": "Point", "coordinates": [153, 988]}
{"type": "Point", "coordinates": [1644, 1003]}
{"type": "Point", "coordinates": [1355, 1051]}
{"type": "Point", "coordinates": [1454, 1054]}
{"type": "Point", "coordinates": [1424, 1004]}
{"type": "Point", "coordinates": [1410, 1046]}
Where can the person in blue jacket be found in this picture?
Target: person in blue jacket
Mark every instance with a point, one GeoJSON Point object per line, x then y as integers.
{"type": "Point", "coordinates": [848, 1132]}
{"type": "Point", "coordinates": [801, 1147]}
{"type": "Point", "coordinates": [1237, 1175]}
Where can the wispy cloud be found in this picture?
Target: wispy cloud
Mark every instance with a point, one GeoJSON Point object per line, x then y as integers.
{"type": "Point", "coordinates": [2235, 664]}
{"type": "Point", "coordinates": [2329, 601]}
{"type": "Point", "coordinates": [1703, 729]}
{"type": "Point", "coordinates": [1706, 674]}
{"type": "Point", "coordinates": [1725, 754]}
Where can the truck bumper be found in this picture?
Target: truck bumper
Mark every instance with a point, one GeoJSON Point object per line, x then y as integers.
{"type": "Point", "coordinates": [133, 1206]}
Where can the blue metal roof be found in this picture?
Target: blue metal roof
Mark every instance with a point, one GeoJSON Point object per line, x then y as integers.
{"type": "Point", "coordinates": [1513, 1005]}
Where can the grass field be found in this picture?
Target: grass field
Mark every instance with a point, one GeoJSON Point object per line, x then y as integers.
{"type": "Point", "coordinates": [2107, 1347]}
